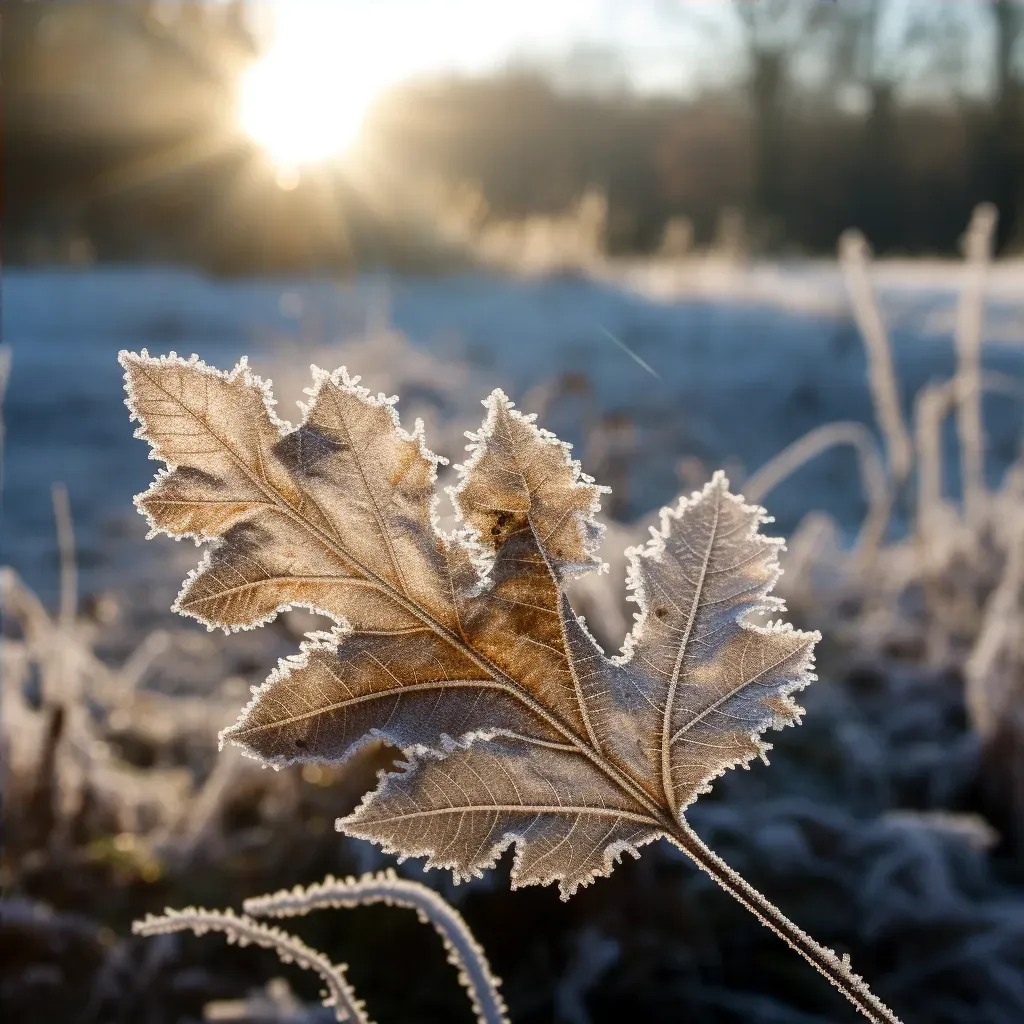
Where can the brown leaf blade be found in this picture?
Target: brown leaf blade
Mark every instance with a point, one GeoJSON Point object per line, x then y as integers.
{"type": "Point", "coordinates": [697, 684]}
{"type": "Point", "coordinates": [464, 808]}
{"type": "Point", "coordinates": [533, 510]}
{"type": "Point", "coordinates": [297, 511]}
{"type": "Point", "coordinates": [373, 485]}
{"type": "Point", "coordinates": [623, 704]}
{"type": "Point", "coordinates": [522, 478]}
{"type": "Point", "coordinates": [265, 563]}
{"type": "Point", "coordinates": [342, 690]}
{"type": "Point", "coordinates": [214, 430]}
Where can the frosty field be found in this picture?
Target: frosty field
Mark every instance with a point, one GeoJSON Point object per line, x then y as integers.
{"type": "Point", "coordinates": [747, 362]}
{"type": "Point", "coordinates": [889, 825]}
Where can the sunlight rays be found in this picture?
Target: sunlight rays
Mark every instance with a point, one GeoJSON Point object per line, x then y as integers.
{"type": "Point", "coordinates": [300, 107]}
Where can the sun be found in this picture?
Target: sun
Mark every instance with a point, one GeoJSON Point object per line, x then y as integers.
{"type": "Point", "coordinates": [303, 105]}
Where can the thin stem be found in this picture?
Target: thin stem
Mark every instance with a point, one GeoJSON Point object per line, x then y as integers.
{"type": "Point", "coordinates": [243, 930]}
{"type": "Point", "coordinates": [837, 970]}
{"type": "Point", "coordinates": [66, 546]}
{"type": "Point", "coordinates": [969, 328]}
{"type": "Point", "coordinates": [464, 952]}
{"type": "Point", "coordinates": [854, 257]}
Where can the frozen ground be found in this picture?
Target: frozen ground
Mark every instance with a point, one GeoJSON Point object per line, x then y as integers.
{"type": "Point", "coordinates": [746, 361]}
{"type": "Point", "coordinates": [911, 287]}
{"type": "Point", "coordinates": [885, 825]}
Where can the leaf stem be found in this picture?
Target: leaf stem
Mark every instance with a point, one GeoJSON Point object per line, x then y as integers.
{"type": "Point", "coordinates": [837, 970]}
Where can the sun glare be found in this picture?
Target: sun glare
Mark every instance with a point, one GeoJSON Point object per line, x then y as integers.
{"type": "Point", "coordinates": [303, 105]}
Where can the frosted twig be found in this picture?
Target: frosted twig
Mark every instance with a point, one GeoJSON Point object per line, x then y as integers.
{"type": "Point", "coordinates": [108, 686]}
{"type": "Point", "coordinates": [5, 367]}
{"type": "Point", "coordinates": [931, 407]}
{"type": "Point", "coordinates": [22, 604]}
{"type": "Point", "coordinates": [141, 659]}
{"type": "Point", "coordinates": [201, 821]}
{"type": "Point", "coordinates": [970, 312]}
{"type": "Point", "coordinates": [464, 952]}
{"type": "Point", "coordinates": [243, 931]}
{"type": "Point", "coordinates": [66, 546]}
{"type": "Point", "coordinates": [854, 257]}
{"type": "Point", "coordinates": [992, 669]}
{"type": "Point", "coordinates": [819, 440]}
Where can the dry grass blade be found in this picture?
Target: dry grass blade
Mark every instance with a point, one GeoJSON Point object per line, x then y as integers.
{"type": "Point", "coordinates": [243, 931]}
{"type": "Point", "coordinates": [999, 636]}
{"type": "Point", "coordinates": [854, 256]}
{"type": "Point", "coordinates": [931, 407]}
{"type": "Point", "coordinates": [979, 241]}
{"type": "Point", "coordinates": [464, 952]}
{"type": "Point", "coordinates": [68, 562]}
{"type": "Point", "coordinates": [462, 649]}
{"type": "Point", "coordinates": [819, 440]}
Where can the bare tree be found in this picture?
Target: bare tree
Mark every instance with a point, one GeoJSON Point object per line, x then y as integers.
{"type": "Point", "coordinates": [881, 49]}
{"type": "Point", "coordinates": [773, 33]}
{"type": "Point", "coordinates": [772, 36]}
{"type": "Point", "coordinates": [1006, 147]}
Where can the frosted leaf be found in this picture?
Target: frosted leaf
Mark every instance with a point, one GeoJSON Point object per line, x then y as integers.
{"type": "Point", "coordinates": [462, 649]}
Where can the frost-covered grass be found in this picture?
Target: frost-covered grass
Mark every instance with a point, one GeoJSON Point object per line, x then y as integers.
{"type": "Point", "coordinates": [737, 380]}
{"type": "Point", "coordinates": [886, 824]}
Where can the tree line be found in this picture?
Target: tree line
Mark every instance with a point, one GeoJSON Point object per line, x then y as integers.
{"type": "Point", "coordinates": [895, 116]}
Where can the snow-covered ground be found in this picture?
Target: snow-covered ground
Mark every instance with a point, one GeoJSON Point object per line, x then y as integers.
{"type": "Point", "coordinates": [816, 286]}
{"type": "Point", "coordinates": [739, 363]}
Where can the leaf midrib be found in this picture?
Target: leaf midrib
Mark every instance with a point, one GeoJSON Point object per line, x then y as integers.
{"type": "Point", "coordinates": [666, 729]}
{"type": "Point", "coordinates": [365, 698]}
{"type": "Point", "coordinates": [283, 578]}
{"type": "Point", "coordinates": [596, 811]}
{"type": "Point", "coordinates": [378, 515]}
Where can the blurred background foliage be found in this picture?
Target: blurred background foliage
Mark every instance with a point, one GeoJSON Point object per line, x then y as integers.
{"type": "Point", "coordinates": [895, 115]}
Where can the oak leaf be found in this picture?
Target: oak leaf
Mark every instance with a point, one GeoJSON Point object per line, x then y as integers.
{"type": "Point", "coordinates": [462, 649]}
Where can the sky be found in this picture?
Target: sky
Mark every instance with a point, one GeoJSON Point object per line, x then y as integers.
{"type": "Point", "coordinates": [658, 45]}
{"type": "Point", "coordinates": [658, 51]}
